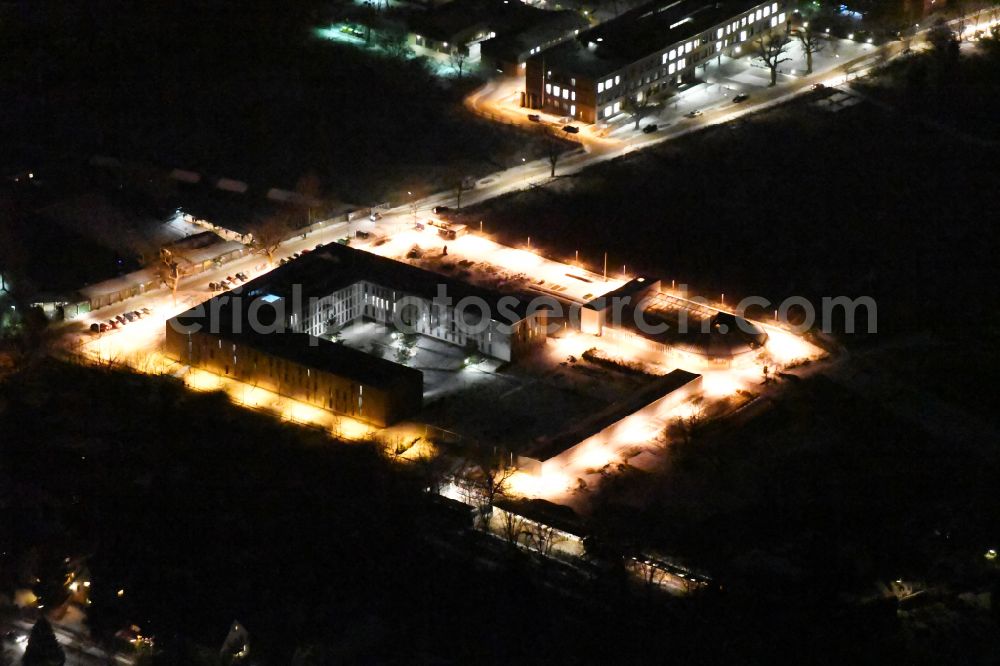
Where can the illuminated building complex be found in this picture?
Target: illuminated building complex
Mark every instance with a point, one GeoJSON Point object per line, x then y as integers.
{"type": "Point", "coordinates": [659, 44]}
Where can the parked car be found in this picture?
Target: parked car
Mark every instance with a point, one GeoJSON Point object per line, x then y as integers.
{"type": "Point", "coordinates": [571, 129]}
{"type": "Point", "coordinates": [104, 327]}
{"type": "Point", "coordinates": [817, 86]}
{"type": "Point", "coordinates": [319, 246]}
{"type": "Point", "coordinates": [693, 114]}
{"type": "Point", "coordinates": [534, 117]}
{"type": "Point", "coordinates": [95, 328]}
{"type": "Point", "coordinates": [362, 234]}
{"type": "Point", "coordinates": [114, 323]}
{"type": "Point", "coordinates": [742, 97]}
{"type": "Point", "coordinates": [440, 209]}
{"type": "Point", "coordinates": [649, 129]}
{"type": "Point", "coordinates": [136, 314]}
{"type": "Point", "coordinates": [146, 311]}
{"type": "Point", "coordinates": [375, 215]}
{"type": "Point", "coordinates": [121, 319]}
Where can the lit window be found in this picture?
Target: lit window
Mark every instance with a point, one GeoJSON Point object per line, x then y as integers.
{"type": "Point", "coordinates": [618, 107]}
{"type": "Point", "coordinates": [760, 14]}
{"type": "Point", "coordinates": [774, 7]}
{"type": "Point", "coordinates": [718, 46]}
{"type": "Point", "coordinates": [572, 109]}
{"type": "Point", "coordinates": [572, 82]}
{"type": "Point", "coordinates": [680, 64]}
{"type": "Point", "coordinates": [618, 80]}
{"type": "Point", "coordinates": [743, 21]}
{"type": "Point", "coordinates": [774, 21]}
{"type": "Point", "coordinates": [767, 11]}
{"type": "Point", "coordinates": [719, 32]}
{"type": "Point", "coordinates": [689, 47]}
{"type": "Point", "coordinates": [672, 68]}
{"type": "Point", "coordinates": [743, 35]}
{"type": "Point", "coordinates": [600, 87]}
{"type": "Point", "coordinates": [548, 88]}
{"type": "Point", "coordinates": [607, 84]}
{"type": "Point", "coordinates": [572, 95]}
{"type": "Point", "coordinates": [781, 17]}
{"type": "Point", "coordinates": [673, 54]}
{"type": "Point", "coordinates": [555, 90]}
{"type": "Point", "coordinates": [607, 112]}
{"type": "Point", "coordinates": [664, 59]}
{"type": "Point", "coordinates": [565, 93]}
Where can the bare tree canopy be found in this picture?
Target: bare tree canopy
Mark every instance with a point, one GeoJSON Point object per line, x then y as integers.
{"type": "Point", "coordinates": [811, 43]}
{"type": "Point", "coordinates": [773, 51]}
{"type": "Point", "coordinates": [636, 105]}
{"type": "Point", "coordinates": [268, 234]}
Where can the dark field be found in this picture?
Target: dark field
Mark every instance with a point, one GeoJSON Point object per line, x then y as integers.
{"type": "Point", "coordinates": [792, 202]}
{"type": "Point", "coordinates": [243, 90]}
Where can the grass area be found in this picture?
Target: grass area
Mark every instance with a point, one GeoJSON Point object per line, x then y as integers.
{"type": "Point", "coordinates": [204, 513]}
{"type": "Point", "coordinates": [243, 90]}
{"type": "Point", "coordinates": [795, 201]}
{"type": "Point", "coordinates": [949, 88]}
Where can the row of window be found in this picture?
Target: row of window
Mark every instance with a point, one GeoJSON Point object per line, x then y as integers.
{"type": "Point", "coordinates": [556, 91]}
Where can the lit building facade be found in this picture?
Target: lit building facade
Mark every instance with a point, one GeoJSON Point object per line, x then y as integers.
{"type": "Point", "coordinates": [647, 49]}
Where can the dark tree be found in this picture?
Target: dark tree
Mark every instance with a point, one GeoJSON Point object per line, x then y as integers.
{"type": "Point", "coordinates": [268, 235]}
{"type": "Point", "coordinates": [43, 648]}
{"type": "Point", "coordinates": [811, 43]}
{"type": "Point", "coordinates": [636, 105]}
{"type": "Point", "coordinates": [772, 50]}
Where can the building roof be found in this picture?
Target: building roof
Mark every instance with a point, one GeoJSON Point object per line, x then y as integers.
{"type": "Point", "coordinates": [639, 33]}
{"type": "Point", "coordinates": [451, 21]}
{"type": "Point", "coordinates": [233, 323]}
{"type": "Point", "coordinates": [555, 26]}
{"type": "Point", "coordinates": [335, 266]}
{"type": "Point", "coordinates": [548, 447]}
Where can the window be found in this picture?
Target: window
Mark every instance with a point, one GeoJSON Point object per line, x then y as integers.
{"type": "Point", "coordinates": [743, 35]}
{"type": "Point", "coordinates": [767, 11]}
{"type": "Point", "coordinates": [781, 17]}
{"type": "Point", "coordinates": [572, 95]}
{"type": "Point", "coordinates": [607, 112]}
{"type": "Point", "coordinates": [664, 59]}
{"type": "Point", "coordinates": [760, 14]}
{"type": "Point", "coordinates": [774, 6]}
{"type": "Point", "coordinates": [618, 107]}
{"type": "Point", "coordinates": [743, 21]}
{"type": "Point", "coordinates": [572, 109]}
{"type": "Point", "coordinates": [555, 90]}
{"type": "Point", "coordinates": [719, 33]}
{"type": "Point", "coordinates": [774, 21]}
{"type": "Point", "coordinates": [618, 80]}
{"type": "Point", "coordinates": [548, 90]}
{"type": "Point", "coordinates": [673, 54]}
{"type": "Point", "coordinates": [680, 64]}
{"type": "Point", "coordinates": [572, 82]}
{"type": "Point", "coordinates": [600, 87]}
{"type": "Point", "coordinates": [607, 84]}
{"type": "Point", "coordinates": [689, 47]}
{"type": "Point", "coordinates": [672, 68]}
{"type": "Point", "coordinates": [718, 46]}
{"type": "Point", "coordinates": [565, 93]}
